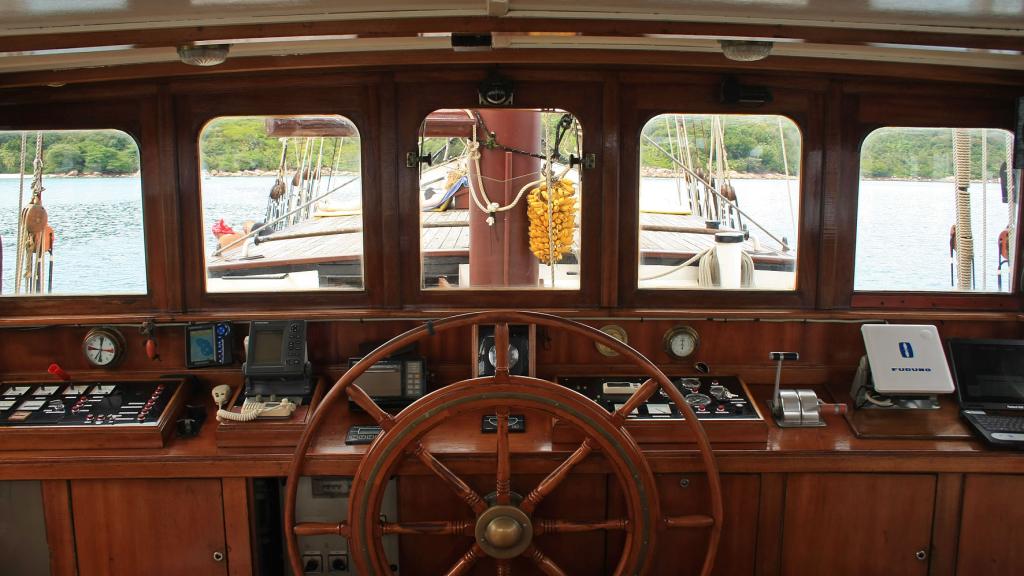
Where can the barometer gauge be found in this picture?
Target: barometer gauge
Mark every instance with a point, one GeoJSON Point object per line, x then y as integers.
{"type": "Point", "coordinates": [615, 331]}
{"type": "Point", "coordinates": [681, 342]}
{"type": "Point", "coordinates": [103, 347]}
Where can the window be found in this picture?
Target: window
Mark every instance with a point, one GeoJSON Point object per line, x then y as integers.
{"type": "Point", "coordinates": [936, 210]}
{"type": "Point", "coordinates": [71, 213]}
{"type": "Point", "coordinates": [719, 202]}
{"type": "Point", "coordinates": [282, 204]}
{"type": "Point", "coordinates": [500, 199]}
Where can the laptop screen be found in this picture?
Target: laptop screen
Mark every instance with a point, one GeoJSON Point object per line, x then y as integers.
{"type": "Point", "coordinates": [989, 373]}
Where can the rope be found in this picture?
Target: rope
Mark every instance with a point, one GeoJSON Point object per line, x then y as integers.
{"type": "Point", "coordinates": [964, 239]}
{"type": "Point", "coordinates": [19, 256]}
{"type": "Point", "coordinates": [785, 166]}
{"type": "Point", "coordinates": [984, 210]}
{"type": "Point", "coordinates": [708, 275]}
{"type": "Point", "coordinates": [1011, 201]}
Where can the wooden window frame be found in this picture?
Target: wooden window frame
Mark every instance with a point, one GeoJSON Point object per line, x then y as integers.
{"type": "Point", "coordinates": [133, 112]}
{"type": "Point", "coordinates": [646, 97]}
{"type": "Point", "coordinates": [357, 98]}
{"type": "Point", "coordinates": [872, 107]}
{"type": "Point", "coordinates": [581, 96]}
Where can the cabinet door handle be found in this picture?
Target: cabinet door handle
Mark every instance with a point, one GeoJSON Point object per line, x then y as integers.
{"type": "Point", "coordinates": [921, 555]}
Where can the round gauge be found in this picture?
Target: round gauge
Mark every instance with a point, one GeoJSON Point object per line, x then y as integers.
{"type": "Point", "coordinates": [513, 356]}
{"type": "Point", "coordinates": [103, 347]}
{"type": "Point", "coordinates": [615, 331]}
{"type": "Point", "coordinates": [681, 342]}
{"type": "Point", "coordinates": [698, 399]}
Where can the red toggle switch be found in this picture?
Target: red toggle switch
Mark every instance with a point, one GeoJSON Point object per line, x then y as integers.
{"type": "Point", "coordinates": [57, 371]}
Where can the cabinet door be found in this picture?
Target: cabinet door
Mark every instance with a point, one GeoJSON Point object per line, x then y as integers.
{"type": "Point", "coordinates": [152, 527]}
{"type": "Point", "coordinates": [992, 525]}
{"type": "Point", "coordinates": [857, 524]}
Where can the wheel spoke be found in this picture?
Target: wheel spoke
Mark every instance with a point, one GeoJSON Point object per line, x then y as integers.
{"type": "Point", "coordinates": [546, 565]}
{"type": "Point", "coordinates": [691, 521]}
{"type": "Point", "coordinates": [430, 528]}
{"type": "Point", "coordinates": [501, 353]}
{"type": "Point", "coordinates": [548, 484]}
{"type": "Point", "coordinates": [504, 485]}
{"type": "Point", "coordinates": [363, 400]}
{"type": "Point", "coordinates": [546, 526]}
{"type": "Point", "coordinates": [467, 561]}
{"type": "Point", "coordinates": [320, 529]}
{"type": "Point", "coordinates": [462, 490]}
{"type": "Point", "coordinates": [639, 397]}
{"type": "Point", "coordinates": [504, 568]}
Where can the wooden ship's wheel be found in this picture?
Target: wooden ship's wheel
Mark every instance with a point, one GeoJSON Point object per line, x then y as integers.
{"type": "Point", "coordinates": [505, 525]}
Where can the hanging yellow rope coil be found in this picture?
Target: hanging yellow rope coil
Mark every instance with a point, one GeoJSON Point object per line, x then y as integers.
{"type": "Point", "coordinates": [549, 248]}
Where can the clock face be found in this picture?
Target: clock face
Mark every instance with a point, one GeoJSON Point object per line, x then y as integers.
{"type": "Point", "coordinates": [681, 342]}
{"type": "Point", "coordinates": [103, 347]}
{"type": "Point", "coordinates": [615, 331]}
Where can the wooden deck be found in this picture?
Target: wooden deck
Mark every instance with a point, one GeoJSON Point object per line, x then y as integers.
{"type": "Point", "coordinates": [338, 239]}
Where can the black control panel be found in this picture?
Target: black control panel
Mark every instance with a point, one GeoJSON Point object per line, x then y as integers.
{"type": "Point", "coordinates": [711, 397]}
{"type": "Point", "coordinates": [276, 362]}
{"type": "Point", "coordinates": [84, 403]}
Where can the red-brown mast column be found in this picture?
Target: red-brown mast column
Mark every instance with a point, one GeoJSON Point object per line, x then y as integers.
{"type": "Point", "coordinates": [500, 255]}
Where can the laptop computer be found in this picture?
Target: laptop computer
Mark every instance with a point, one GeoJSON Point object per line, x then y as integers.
{"type": "Point", "coordinates": [990, 387]}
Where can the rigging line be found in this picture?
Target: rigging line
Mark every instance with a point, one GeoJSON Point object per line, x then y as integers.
{"type": "Point", "coordinates": [671, 150]}
{"type": "Point", "coordinates": [21, 201]}
{"type": "Point", "coordinates": [1011, 202]}
{"type": "Point", "coordinates": [693, 259]}
{"type": "Point", "coordinates": [984, 209]}
{"type": "Point", "coordinates": [785, 167]}
{"type": "Point", "coordinates": [964, 239]}
{"type": "Point", "coordinates": [258, 229]}
{"type": "Point", "coordinates": [711, 189]}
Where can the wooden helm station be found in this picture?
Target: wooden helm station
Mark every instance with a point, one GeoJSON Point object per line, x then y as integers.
{"type": "Point", "coordinates": [580, 490]}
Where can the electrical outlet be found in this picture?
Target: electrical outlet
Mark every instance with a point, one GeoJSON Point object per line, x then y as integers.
{"type": "Point", "coordinates": [337, 563]}
{"type": "Point", "coordinates": [312, 563]}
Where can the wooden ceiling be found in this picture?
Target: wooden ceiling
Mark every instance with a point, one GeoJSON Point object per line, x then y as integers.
{"type": "Point", "coordinates": [63, 34]}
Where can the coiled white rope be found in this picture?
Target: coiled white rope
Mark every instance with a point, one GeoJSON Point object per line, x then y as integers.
{"type": "Point", "coordinates": [709, 276]}
{"type": "Point", "coordinates": [964, 238]}
{"type": "Point", "coordinates": [1011, 201]}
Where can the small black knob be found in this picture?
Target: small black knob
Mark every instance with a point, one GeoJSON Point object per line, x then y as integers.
{"type": "Point", "coordinates": [312, 565]}
{"type": "Point", "coordinates": [339, 565]}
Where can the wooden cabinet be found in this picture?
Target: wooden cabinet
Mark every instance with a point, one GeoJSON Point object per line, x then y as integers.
{"type": "Point", "coordinates": [857, 524]}
{"type": "Point", "coordinates": [682, 551]}
{"type": "Point", "coordinates": [152, 527]}
{"type": "Point", "coordinates": [991, 525]}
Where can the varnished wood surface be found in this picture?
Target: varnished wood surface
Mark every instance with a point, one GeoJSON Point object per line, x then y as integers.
{"type": "Point", "coordinates": [459, 443]}
{"type": "Point", "coordinates": [856, 524]}
{"type": "Point", "coordinates": [992, 525]}
{"type": "Point", "coordinates": [158, 527]}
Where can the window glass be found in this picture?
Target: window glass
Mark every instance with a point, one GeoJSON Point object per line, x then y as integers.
{"type": "Point", "coordinates": [719, 202]}
{"type": "Point", "coordinates": [282, 203]}
{"type": "Point", "coordinates": [936, 210]}
{"type": "Point", "coordinates": [500, 199]}
{"type": "Point", "coordinates": [71, 213]}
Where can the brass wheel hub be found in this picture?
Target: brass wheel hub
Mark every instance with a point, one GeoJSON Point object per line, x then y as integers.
{"type": "Point", "coordinates": [504, 531]}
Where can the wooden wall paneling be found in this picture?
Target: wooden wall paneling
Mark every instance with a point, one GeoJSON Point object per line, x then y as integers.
{"type": "Point", "coordinates": [391, 160]}
{"type": "Point", "coordinates": [681, 551]}
{"type": "Point", "coordinates": [421, 94]}
{"type": "Point", "coordinates": [159, 527]}
{"type": "Point", "coordinates": [238, 526]}
{"type": "Point", "coordinates": [581, 497]}
{"type": "Point", "coordinates": [946, 526]}
{"type": "Point", "coordinates": [855, 524]}
{"type": "Point", "coordinates": [991, 525]}
{"type": "Point", "coordinates": [59, 527]}
{"type": "Point", "coordinates": [610, 165]}
{"type": "Point", "coordinates": [769, 525]}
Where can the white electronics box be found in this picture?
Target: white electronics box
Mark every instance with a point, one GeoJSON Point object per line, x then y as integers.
{"type": "Point", "coordinates": [907, 359]}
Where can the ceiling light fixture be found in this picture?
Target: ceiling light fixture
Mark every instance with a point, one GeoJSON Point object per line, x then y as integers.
{"type": "Point", "coordinates": [746, 50]}
{"type": "Point", "coordinates": [203, 55]}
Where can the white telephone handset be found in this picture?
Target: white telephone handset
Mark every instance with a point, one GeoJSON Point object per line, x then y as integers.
{"type": "Point", "coordinates": [252, 408]}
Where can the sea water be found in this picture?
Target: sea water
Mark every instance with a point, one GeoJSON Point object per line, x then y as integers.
{"type": "Point", "coordinates": [902, 235]}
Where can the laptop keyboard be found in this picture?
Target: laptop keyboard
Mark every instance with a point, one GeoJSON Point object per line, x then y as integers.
{"type": "Point", "coordinates": [1001, 423]}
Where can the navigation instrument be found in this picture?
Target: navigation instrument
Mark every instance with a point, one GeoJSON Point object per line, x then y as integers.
{"type": "Point", "coordinates": [103, 347]}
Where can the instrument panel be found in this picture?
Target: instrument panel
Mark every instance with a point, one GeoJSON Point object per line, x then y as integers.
{"type": "Point", "coordinates": [139, 403]}
{"type": "Point", "coordinates": [711, 397]}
